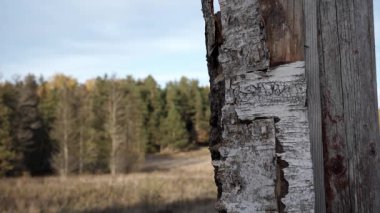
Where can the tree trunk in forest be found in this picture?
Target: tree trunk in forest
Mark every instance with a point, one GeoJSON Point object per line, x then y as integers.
{"type": "Point", "coordinates": [80, 149]}
{"type": "Point", "coordinates": [288, 90]}
{"type": "Point", "coordinates": [65, 130]}
{"type": "Point", "coordinates": [115, 126]}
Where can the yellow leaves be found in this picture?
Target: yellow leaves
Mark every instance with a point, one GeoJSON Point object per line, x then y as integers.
{"type": "Point", "coordinates": [60, 81]}
{"type": "Point", "coordinates": [90, 84]}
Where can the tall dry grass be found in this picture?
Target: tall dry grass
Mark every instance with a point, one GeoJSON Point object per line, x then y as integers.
{"type": "Point", "coordinates": [184, 187]}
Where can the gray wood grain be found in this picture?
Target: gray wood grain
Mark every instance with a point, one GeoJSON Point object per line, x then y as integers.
{"type": "Point", "coordinates": [314, 102]}
{"type": "Point", "coordinates": [349, 105]}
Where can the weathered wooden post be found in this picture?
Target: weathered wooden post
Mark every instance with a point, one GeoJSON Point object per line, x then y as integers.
{"type": "Point", "coordinates": [278, 78]}
{"type": "Point", "coordinates": [349, 105]}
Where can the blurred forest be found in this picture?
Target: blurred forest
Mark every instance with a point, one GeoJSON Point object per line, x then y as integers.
{"type": "Point", "coordinates": [105, 125]}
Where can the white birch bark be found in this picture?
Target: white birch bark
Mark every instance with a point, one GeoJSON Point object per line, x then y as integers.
{"type": "Point", "coordinates": [264, 161]}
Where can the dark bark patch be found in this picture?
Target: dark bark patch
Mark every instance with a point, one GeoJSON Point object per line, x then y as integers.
{"type": "Point", "coordinates": [282, 185]}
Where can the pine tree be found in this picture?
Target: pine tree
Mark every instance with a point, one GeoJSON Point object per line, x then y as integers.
{"type": "Point", "coordinates": [174, 131]}
{"type": "Point", "coordinates": [173, 128]}
{"type": "Point", "coordinates": [152, 112]}
{"type": "Point", "coordinates": [136, 137]}
{"type": "Point", "coordinates": [9, 158]}
{"type": "Point", "coordinates": [202, 114]}
{"type": "Point", "coordinates": [32, 137]}
{"type": "Point", "coordinates": [98, 146]}
{"type": "Point", "coordinates": [73, 122]}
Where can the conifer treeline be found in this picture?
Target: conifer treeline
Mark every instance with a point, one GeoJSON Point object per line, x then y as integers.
{"type": "Point", "coordinates": [105, 125]}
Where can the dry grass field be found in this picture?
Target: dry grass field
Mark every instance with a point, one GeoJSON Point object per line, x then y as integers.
{"type": "Point", "coordinates": [180, 182]}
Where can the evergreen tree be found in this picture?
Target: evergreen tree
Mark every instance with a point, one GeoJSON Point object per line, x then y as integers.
{"type": "Point", "coordinates": [174, 131]}
{"type": "Point", "coordinates": [32, 137]}
{"type": "Point", "coordinates": [202, 114]}
{"type": "Point", "coordinates": [136, 137]}
{"type": "Point", "coordinates": [47, 93]}
{"type": "Point", "coordinates": [98, 146]}
{"type": "Point", "coordinates": [205, 122]}
{"type": "Point", "coordinates": [88, 126]}
{"type": "Point", "coordinates": [9, 158]}
{"type": "Point", "coordinates": [186, 106]}
{"type": "Point", "coordinates": [173, 128]}
{"type": "Point", "coordinates": [152, 112]}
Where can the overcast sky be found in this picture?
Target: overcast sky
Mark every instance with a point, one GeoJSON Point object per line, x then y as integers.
{"type": "Point", "coordinates": [88, 38]}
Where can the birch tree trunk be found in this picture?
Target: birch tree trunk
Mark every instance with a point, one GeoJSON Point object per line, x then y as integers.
{"type": "Point", "coordinates": [115, 125]}
{"type": "Point", "coordinates": [260, 137]}
{"type": "Point", "coordinates": [64, 131]}
{"type": "Point", "coordinates": [65, 142]}
{"type": "Point", "coordinates": [267, 113]}
{"type": "Point", "coordinates": [80, 150]}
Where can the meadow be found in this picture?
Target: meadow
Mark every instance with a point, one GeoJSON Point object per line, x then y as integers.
{"type": "Point", "coordinates": [180, 182]}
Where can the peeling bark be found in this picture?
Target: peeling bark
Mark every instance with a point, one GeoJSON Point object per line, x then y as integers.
{"type": "Point", "coordinates": [266, 164]}
{"type": "Point", "coordinates": [214, 39]}
{"type": "Point", "coordinates": [259, 138]}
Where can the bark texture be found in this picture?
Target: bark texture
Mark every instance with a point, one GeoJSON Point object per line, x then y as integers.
{"type": "Point", "coordinates": [213, 33]}
{"type": "Point", "coordinates": [349, 105]}
{"type": "Point", "coordinates": [260, 138]}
